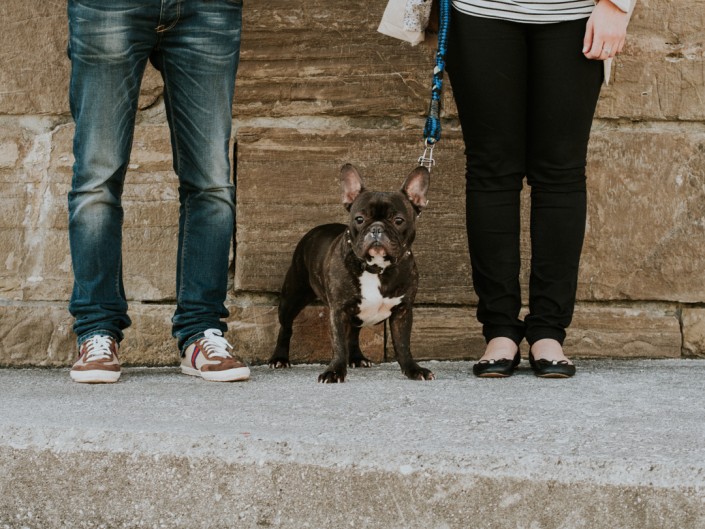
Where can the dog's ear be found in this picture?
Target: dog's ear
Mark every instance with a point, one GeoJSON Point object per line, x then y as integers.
{"type": "Point", "coordinates": [351, 184]}
{"type": "Point", "coordinates": [416, 186]}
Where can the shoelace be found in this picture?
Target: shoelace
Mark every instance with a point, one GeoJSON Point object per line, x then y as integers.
{"type": "Point", "coordinates": [215, 344]}
{"type": "Point", "coordinates": [98, 348]}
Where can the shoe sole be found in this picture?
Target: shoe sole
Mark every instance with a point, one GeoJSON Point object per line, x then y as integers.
{"type": "Point", "coordinates": [492, 375]}
{"type": "Point", "coordinates": [230, 375]}
{"type": "Point", "coordinates": [95, 377]}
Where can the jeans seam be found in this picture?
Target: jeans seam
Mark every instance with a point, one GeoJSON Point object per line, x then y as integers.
{"type": "Point", "coordinates": [184, 248]}
{"type": "Point", "coordinates": [175, 138]}
{"type": "Point", "coordinates": [177, 169]}
{"type": "Point", "coordinates": [122, 222]}
{"type": "Point", "coordinates": [162, 29]}
{"type": "Point", "coordinates": [129, 142]}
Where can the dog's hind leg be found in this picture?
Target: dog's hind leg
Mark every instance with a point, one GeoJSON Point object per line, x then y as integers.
{"type": "Point", "coordinates": [296, 294]}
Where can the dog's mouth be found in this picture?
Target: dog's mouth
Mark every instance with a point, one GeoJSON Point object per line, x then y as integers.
{"type": "Point", "coordinates": [377, 257]}
{"type": "Point", "coordinates": [376, 250]}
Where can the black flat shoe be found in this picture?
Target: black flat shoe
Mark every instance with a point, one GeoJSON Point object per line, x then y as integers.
{"type": "Point", "coordinates": [551, 368]}
{"type": "Point", "coordinates": [504, 367]}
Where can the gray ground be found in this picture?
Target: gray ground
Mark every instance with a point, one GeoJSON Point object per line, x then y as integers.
{"type": "Point", "coordinates": [634, 426]}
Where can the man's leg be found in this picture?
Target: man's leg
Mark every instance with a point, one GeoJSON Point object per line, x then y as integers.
{"type": "Point", "coordinates": [108, 45]}
{"type": "Point", "coordinates": [198, 54]}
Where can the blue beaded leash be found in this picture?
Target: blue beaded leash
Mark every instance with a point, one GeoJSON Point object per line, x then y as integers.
{"type": "Point", "coordinates": [432, 129]}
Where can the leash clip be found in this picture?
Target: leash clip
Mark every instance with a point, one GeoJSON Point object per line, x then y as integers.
{"type": "Point", "coordinates": [426, 159]}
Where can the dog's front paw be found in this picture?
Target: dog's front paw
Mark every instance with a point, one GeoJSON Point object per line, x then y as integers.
{"type": "Point", "coordinates": [331, 377]}
{"type": "Point", "coordinates": [360, 361]}
{"type": "Point", "coordinates": [419, 373]}
{"type": "Point", "coordinates": [279, 358]}
{"type": "Point", "coordinates": [275, 363]}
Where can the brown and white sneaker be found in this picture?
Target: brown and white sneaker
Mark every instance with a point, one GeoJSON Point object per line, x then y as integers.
{"type": "Point", "coordinates": [209, 358]}
{"type": "Point", "coordinates": [97, 361]}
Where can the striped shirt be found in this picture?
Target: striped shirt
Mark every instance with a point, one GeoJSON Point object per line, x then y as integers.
{"type": "Point", "coordinates": [531, 11]}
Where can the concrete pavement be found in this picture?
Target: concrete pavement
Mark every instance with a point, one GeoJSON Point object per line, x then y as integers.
{"type": "Point", "coordinates": [621, 445]}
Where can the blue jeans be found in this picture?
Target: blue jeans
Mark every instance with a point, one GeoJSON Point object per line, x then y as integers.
{"type": "Point", "coordinates": [195, 44]}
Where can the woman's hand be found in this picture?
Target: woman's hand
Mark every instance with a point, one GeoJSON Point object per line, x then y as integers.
{"type": "Point", "coordinates": [605, 32]}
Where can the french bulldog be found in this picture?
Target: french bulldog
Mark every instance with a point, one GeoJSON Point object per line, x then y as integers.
{"type": "Point", "coordinates": [364, 272]}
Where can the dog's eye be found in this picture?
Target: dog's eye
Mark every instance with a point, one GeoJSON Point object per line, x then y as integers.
{"type": "Point", "coordinates": [359, 219]}
{"type": "Point", "coordinates": [398, 221]}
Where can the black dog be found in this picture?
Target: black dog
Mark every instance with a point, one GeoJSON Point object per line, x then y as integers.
{"type": "Point", "coordinates": [364, 272]}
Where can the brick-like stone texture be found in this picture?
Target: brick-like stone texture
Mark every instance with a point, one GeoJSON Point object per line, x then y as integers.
{"type": "Point", "coordinates": [332, 48]}
{"type": "Point", "coordinates": [646, 208]}
{"type": "Point", "coordinates": [646, 221]}
{"type": "Point", "coordinates": [317, 87]}
{"type": "Point", "coordinates": [302, 58]}
{"type": "Point", "coordinates": [661, 75]}
{"type": "Point", "coordinates": [694, 331]}
{"type": "Point", "coordinates": [40, 333]}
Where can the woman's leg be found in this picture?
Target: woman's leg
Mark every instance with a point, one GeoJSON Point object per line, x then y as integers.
{"type": "Point", "coordinates": [563, 87]}
{"type": "Point", "coordinates": [487, 69]}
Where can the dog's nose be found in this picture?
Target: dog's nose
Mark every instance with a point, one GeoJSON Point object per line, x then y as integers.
{"type": "Point", "coordinates": [376, 231]}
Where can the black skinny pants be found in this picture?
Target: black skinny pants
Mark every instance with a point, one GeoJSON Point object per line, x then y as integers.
{"type": "Point", "coordinates": [526, 97]}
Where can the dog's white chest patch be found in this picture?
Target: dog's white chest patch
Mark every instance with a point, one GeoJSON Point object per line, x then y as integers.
{"type": "Point", "coordinates": [374, 307]}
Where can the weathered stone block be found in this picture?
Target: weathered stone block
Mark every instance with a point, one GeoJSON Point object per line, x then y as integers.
{"type": "Point", "coordinates": [9, 154]}
{"type": "Point", "coordinates": [657, 84]}
{"type": "Point", "coordinates": [13, 203]}
{"type": "Point", "coordinates": [693, 321]}
{"type": "Point", "coordinates": [636, 247]}
{"type": "Point", "coordinates": [630, 331]}
{"type": "Point", "coordinates": [308, 58]}
{"type": "Point", "coordinates": [453, 333]}
{"type": "Point", "coordinates": [149, 265]}
{"type": "Point", "coordinates": [148, 341]}
{"type": "Point", "coordinates": [295, 62]}
{"type": "Point", "coordinates": [45, 273]}
{"type": "Point", "coordinates": [41, 333]}
{"type": "Point", "coordinates": [310, 70]}
{"type": "Point", "coordinates": [445, 333]}
{"type": "Point", "coordinates": [32, 82]}
{"type": "Point", "coordinates": [11, 245]}
{"type": "Point", "coordinates": [36, 335]}
{"type": "Point", "coordinates": [646, 220]}
{"type": "Point", "coordinates": [661, 74]}
{"type": "Point", "coordinates": [33, 218]}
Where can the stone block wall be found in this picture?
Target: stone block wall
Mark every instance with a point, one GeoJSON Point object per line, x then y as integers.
{"type": "Point", "coordinates": [318, 87]}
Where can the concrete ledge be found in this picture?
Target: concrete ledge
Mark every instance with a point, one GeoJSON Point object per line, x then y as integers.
{"type": "Point", "coordinates": [622, 445]}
